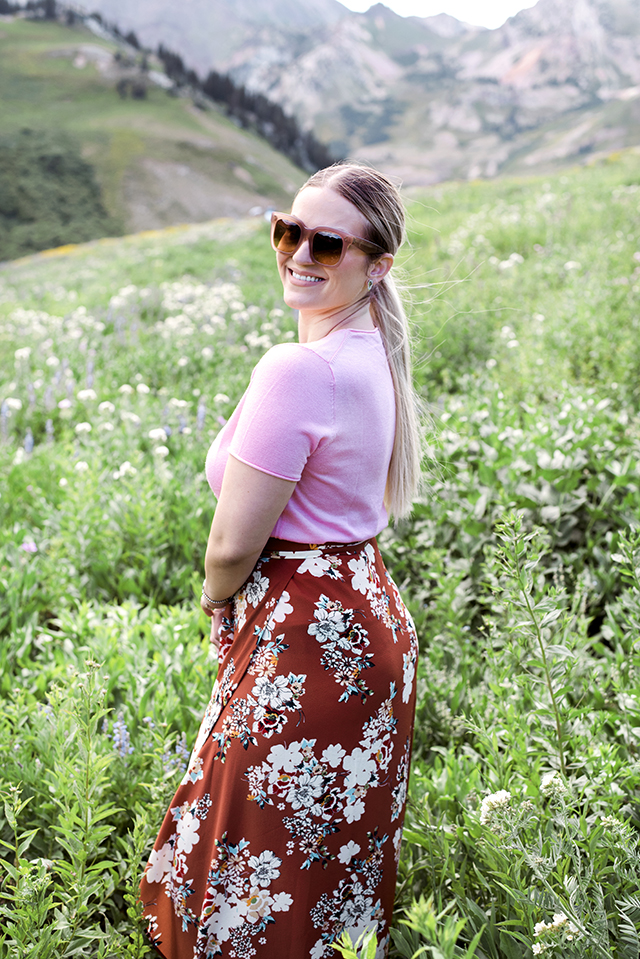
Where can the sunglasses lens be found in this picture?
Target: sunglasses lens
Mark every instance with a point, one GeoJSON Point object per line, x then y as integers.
{"type": "Point", "coordinates": [327, 248]}
{"type": "Point", "coordinates": [286, 236]}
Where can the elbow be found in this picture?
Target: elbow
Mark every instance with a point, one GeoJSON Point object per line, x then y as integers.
{"type": "Point", "coordinates": [224, 554]}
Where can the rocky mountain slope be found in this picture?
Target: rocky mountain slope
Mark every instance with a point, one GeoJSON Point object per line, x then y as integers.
{"type": "Point", "coordinates": [427, 99]}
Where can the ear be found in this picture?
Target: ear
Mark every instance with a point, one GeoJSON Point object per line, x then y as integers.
{"type": "Point", "coordinates": [380, 267]}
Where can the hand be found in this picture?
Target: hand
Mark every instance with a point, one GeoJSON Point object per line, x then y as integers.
{"type": "Point", "coordinates": [216, 626]}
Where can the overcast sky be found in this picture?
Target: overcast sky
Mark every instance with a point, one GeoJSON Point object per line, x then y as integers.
{"type": "Point", "coordinates": [484, 13]}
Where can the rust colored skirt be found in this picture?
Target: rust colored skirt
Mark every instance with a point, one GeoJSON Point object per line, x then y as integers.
{"type": "Point", "coordinates": [286, 828]}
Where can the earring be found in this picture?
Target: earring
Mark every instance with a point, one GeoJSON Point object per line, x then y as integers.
{"type": "Point", "coordinates": [370, 285]}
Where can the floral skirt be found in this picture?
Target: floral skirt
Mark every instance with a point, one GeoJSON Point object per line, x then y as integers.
{"type": "Point", "coordinates": [286, 828]}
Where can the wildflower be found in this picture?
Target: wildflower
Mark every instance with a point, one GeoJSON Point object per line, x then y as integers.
{"type": "Point", "coordinates": [83, 428]}
{"type": "Point", "coordinates": [142, 388]}
{"type": "Point", "coordinates": [106, 427]}
{"type": "Point", "coordinates": [161, 451]}
{"type": "Point", "coordinates": [23, 353]}
{"type": "Point", "coordinates": [493, 802]}
{"type": "Point", "coordinates": [130, 417]}
{"type": "Point", "coordinates": [52, 361]}
{"type": "Point", "coordinates": [29, 546]}
{"type": "Point", "coordinates": [13, 403]}
{"type": "Point", "coordinates": [552, 786]}
{"type": "Point", "coordinates": [84, 395]}
{"type": "Point", "coordinates": [572, 265]}
{"type": "Point", "coordinates": [81, 466]}
{"type": "Point", "coordinates": [183, 361]}
{"type": "Point", "coordinates": [125, 388]}
{"type": "Point", "coordinates": [158, 434]}
{"type": "Point", "coordinates": [221, 398]}
{"type": "Point", "coordinates": [63, 482]}
{"type": "Point", "coordinates": [121, 738]}
{"type": "Point", "coordinates": [65, 404]}
{"type": "Point", "coordinates": [207, 353]}
{"type": "Point", "coordinates": [126, 469]}
{"type": "Point", "coordinates": [106, 407]}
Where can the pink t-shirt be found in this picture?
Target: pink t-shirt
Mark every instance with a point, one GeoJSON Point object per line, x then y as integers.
{"type": "Point", "coordinates": [322, 414]}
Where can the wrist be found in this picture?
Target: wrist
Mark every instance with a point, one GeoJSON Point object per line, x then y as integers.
{"type": "Point", "coordinates": [209, 601]}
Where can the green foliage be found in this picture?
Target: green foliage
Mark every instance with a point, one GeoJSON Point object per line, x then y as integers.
{"type": "Point", "coordinates": [520, 565]}
{"type": "Point", "coordinates": [48, 194]}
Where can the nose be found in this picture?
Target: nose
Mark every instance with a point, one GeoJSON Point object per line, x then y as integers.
{"type": "Point", "coordinates": [303, 253]}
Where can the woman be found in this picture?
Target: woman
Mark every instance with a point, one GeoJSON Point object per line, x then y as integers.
{"type": "Point", "coordinates": [286, 829]}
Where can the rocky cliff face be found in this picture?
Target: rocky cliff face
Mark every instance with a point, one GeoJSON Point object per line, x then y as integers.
{"type": "Point", "coordinates": [426, 99]}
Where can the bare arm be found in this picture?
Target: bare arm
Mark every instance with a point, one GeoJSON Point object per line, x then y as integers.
{"type": "Point", "coordinates": [249, 505]}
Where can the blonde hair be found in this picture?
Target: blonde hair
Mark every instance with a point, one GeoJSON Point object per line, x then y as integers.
{"type": "Point", "coordinates": [379, 201]}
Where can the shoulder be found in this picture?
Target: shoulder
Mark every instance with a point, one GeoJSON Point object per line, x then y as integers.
{"type": "Point", "coordinates": [291, 360]}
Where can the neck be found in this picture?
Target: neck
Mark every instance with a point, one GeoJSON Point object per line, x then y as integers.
{"type": "Point", "coordinates": [356, 316]}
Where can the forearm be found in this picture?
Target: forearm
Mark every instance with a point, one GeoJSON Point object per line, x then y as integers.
{"type": "Point", "coordinates": [223, 577]}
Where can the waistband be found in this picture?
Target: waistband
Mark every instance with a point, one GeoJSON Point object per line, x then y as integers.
{"type": "Point", "coordinates": [287, 550]}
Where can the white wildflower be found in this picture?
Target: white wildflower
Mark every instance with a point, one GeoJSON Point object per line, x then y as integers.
{"type": "Point", "coordinates": [83, 428]}
{"type": "Point", "coordinates": [126, 388]}
{"type": "Point", "coordinates": [572, 265]}
{"type": "Point", "coordinates": [143, 388]}
{"type": "Point", "coordinates": [23, 353]}
{"type": "Point", "coordinates": [84, 395]}
{"type": "Point", "coordinates": [13, 403]}
{"type": "Point", "coordinates": [161, 451]}
{"type": "Point", "coordinates": [65, 404]}
{"type": "Point", "coordinates": [81, 466]}
{"type": "Point", "coordinates": [183, 361]}
{"type": "Point", "coordinates": [207, 353]}
{"type": "Point", "coordinates": [106, 407]}
{"type": "Point", "coordinates": [158, 434]}
{"type": "Point", "coordinates": [63, 482]}
{"type": "Point", "coordinates": [221, 398]}
{"type": "Point", "coordinates": [106, 427]}
{"type": "Point", "coordinates": [130, 417]}
{"type": "Point", "coordinates": [491, 803]}
{"type": "Point", "coordinates": [52, 361]}
{"type": "Point", "coordinates": [126, 469]}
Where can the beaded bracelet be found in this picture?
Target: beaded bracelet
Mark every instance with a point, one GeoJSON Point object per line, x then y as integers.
{"type": "Point", "coordinates": [214, 603]}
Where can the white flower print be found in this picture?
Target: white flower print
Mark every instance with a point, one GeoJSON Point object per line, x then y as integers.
{"type": "Point", "coordinates": [282, 902]}
{"type": "Point", "coordinates": [285, 758]}
{"type": "Point", "coordinates": [272, 692]}
{"type": "Point", "coordinates": [316, 565]}
{"type": "Point", "coordinates": [266, 867]}
{"type": "Point", "coordinates": [408, 675]}
{"type": "Point", "coordinates": [187, 830]}
{"type": "Point", "coordinates": [305, 791]}
{"type": "Point", "coordinates": [318, 950]}
{"type": "Point", "coordinates": [229, 914]}
{"type": "Point", "coordinates": [282, 609]}
{"type": "Point", "coordinates": [361, 768]}
{"type": "Point", "coordinates": [360, 578]}
{"type": "Point", "coordinates": [160, 863]}
{"type": "Point", "coordinates": [256, 590]}
{"type": "Point", "coordinates": [397, 840]}
{"type": "Point", "coordinates": [330, 624]}
{"type": "Point", "coordinates": [353, 811]}
{"type": "Point", "coordinates": [347, 852]}
{"type": "Point", "coordinates": [332, 755]}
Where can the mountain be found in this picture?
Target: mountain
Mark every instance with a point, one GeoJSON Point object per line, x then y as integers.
{"type": "Point", "coordinates": [424, 98]}
{"type": "Point", "coordinates": [158, 159]}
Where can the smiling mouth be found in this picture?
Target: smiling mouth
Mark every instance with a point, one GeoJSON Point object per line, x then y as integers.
{"type": "Point", "coordinates": [305, 279]}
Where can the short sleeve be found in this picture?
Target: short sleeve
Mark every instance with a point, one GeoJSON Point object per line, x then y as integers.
{"type": "Point", "coordinates": [287, 413]}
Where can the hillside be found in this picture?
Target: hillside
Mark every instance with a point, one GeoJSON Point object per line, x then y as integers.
{"type": "Point", "coordinates": [427, 99]}
{"type": "Point", "coordinates": [158, 159]}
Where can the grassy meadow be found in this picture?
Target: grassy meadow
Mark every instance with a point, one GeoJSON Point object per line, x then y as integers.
{"type": "Point", "coordinates": [520, 564]}
{"type": "Point", "coordinates": [61, 81]}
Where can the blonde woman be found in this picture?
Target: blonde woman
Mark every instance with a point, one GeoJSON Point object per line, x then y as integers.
{"type": "Point", "coordinates": [286, 829]}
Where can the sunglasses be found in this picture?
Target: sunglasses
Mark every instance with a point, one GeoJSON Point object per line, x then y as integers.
{"type": "Point", "coordinates": [327, 246]}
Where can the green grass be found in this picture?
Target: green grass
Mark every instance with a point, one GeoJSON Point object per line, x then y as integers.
{"type": "Point", "coordinates": [520, 562]}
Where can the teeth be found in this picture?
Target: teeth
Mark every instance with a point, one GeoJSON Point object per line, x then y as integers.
{"type": "Point", "coordinates": [306, 279]}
